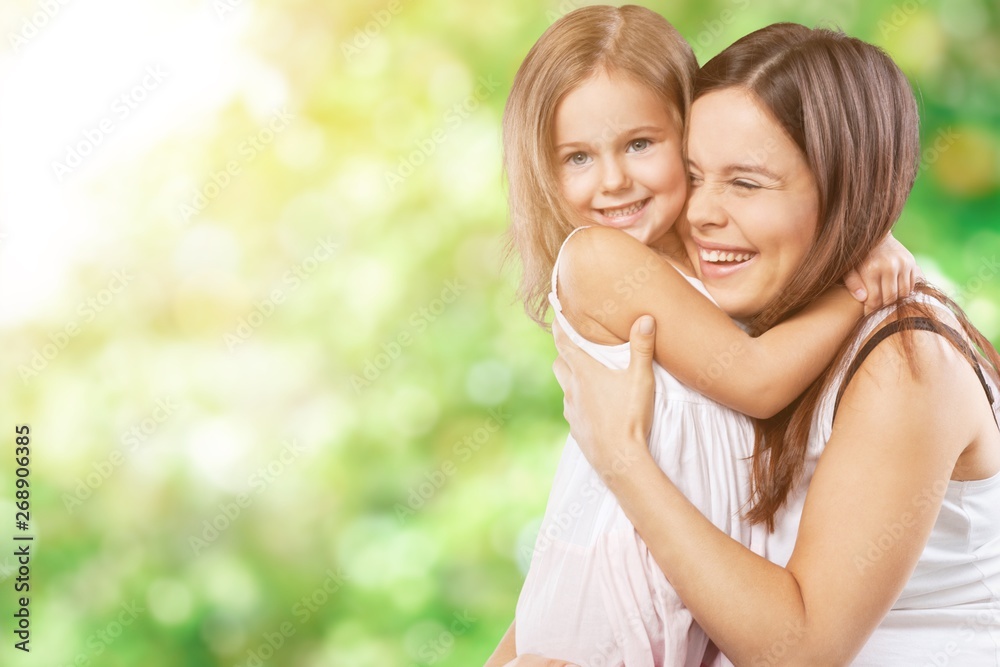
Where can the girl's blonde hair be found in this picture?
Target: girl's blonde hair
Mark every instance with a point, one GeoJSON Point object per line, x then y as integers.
{"type": "Point", "coordinates": [628, 41]}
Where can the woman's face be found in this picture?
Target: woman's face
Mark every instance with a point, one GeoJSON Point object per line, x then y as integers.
{"type": "Point", "coordinates": [753, 207]}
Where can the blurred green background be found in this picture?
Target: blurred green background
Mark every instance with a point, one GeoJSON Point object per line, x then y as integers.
{"type": "Point", "coordinates": [284, 409]}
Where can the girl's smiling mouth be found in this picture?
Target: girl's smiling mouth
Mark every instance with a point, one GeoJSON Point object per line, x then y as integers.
{"type": "Point", "coordinates": [622, 216]}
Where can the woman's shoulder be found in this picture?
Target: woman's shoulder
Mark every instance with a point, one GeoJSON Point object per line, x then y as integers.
{"type": "Point", "coordinates": [919, 343]}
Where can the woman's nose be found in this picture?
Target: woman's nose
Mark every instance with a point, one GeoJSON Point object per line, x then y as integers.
{"type": "Point", "coordinates": [703, 208]}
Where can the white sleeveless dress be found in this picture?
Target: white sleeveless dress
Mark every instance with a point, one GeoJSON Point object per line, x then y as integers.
{"type": "Point", "coordinates": [593, 594]}
{"type": "Point", "coordinates": [949, 610]}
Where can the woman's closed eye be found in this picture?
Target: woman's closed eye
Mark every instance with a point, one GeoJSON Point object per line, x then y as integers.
{"type": "Point", "coordinates": [694, 180]}
{"type": "Point", "coordinates": [745, 185]}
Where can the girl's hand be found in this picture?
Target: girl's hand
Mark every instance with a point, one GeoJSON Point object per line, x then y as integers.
{"type": "Point", "coordinates": [537, 661]}
{"type": "Point", "coordinates": [609, 411]}
{"type": "Point", "coordinates": [890, 272]}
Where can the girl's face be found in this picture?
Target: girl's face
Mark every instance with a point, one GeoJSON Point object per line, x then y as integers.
{"type": "Point", "coordinates": [618, 151]}
{"type": "Point", "coordinates": [753, 209]}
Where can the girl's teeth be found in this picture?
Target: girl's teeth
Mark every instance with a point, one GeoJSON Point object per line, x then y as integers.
{"type": "Point", "coordinates": [716, 256]}
{"type": "Point", "coordinates": [622, 212]}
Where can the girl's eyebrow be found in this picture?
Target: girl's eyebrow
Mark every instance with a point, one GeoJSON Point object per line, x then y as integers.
{"type": "Point", "coordinates": [642, 129]}
{"type": "Point", "coordinates": [572, 144]}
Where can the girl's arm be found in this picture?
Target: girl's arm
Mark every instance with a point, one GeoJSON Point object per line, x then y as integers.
{"type": "Point", "coordinates": [506, 656]}
{"type": "Point", "coordinates": [879, 481]}
{"type": "Point", "coordinates": [505, 651]}
{"type": "Point", "coordinates": [607, 279]}
{"type": "Point", "coordinates": [889, 273]}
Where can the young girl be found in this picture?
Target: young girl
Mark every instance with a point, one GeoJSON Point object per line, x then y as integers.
{"type": "Point", "coordinates": [593, 136]}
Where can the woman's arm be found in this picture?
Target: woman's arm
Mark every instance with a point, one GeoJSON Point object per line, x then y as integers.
{"type": "Point", "coordinates": [607, 279]}
{"type": "Point", "coordinates": [879, 481]}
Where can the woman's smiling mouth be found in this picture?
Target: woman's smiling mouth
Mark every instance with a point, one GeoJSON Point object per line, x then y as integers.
{"type": "Point", "coordinates": [722, 261]}
{"type": "Point", "coordinates": [723, 257]}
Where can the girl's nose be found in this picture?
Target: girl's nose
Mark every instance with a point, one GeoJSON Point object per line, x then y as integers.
{"type": "Point", "coordinates": [614, 177]}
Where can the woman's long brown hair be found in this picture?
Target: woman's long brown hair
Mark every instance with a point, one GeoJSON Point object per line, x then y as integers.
{"type": "Point", "coordinates": [852, 113]}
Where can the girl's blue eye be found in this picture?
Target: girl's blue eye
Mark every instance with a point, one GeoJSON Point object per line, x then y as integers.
{"type": "Point", "coordinates": [577, 159]}
{"type": "Point", "coordinates": [639, 144]}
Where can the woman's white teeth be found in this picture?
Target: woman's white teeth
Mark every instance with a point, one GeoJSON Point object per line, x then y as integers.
{"type": "Point", "coordinates": [624, 211]}
{"type": "Point", "coordinates": [717, 256]}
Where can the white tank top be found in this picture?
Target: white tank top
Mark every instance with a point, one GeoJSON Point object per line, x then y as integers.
{"type": "Point", "coordinates": [949, 610]}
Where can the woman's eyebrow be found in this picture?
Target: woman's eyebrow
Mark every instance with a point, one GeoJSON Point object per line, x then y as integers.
{"type": "Point", "coordinates": [741, 168]}
{"type": "Point", "coordinates": [745, 168]}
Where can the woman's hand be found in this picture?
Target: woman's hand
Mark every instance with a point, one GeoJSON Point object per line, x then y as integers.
{"type": "Point", "coordinates": [890, 272]}
{"type": "Point", "coordinates": [537, 661]}
{"type": "Point", "coordinates": [609, 411]}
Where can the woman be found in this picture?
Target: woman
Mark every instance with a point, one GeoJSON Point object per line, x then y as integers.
{"type": "Point", "coordinates": [892, 557]}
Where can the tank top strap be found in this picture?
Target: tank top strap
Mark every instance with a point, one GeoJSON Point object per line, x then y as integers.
{"type": "Point", "coordinates": [918, 324]}
{"type": "Point", "coordinates": [554, 294]}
